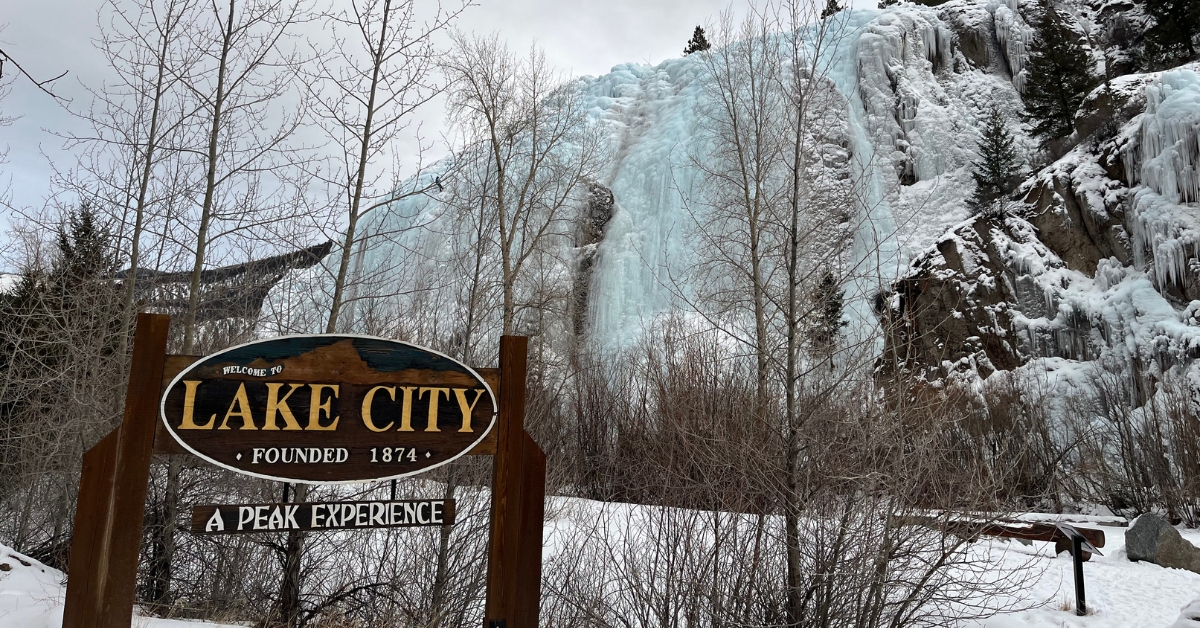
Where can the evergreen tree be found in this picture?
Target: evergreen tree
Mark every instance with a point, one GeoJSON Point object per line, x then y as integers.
{"type": "Point", "coordinates": [826, 326]}
{"type": "Point", "coordinates": [1171, 40]}
{"type": "Point", "coordinates": [85, 250]}
{"type": "Point", "coordinates": [995, 172]}
{"type": "Point", "coordinates": [697, 43]}
{"type": "Point", "coordinates": [831, 9]}
{"type": "Point", "coordinates": [59, 334]}
{"type": "Point", "coordinates": [1059, 77]}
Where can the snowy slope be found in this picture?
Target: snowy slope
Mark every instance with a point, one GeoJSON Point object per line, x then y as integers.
{"type": "Point", "coordinates": [32, 594]}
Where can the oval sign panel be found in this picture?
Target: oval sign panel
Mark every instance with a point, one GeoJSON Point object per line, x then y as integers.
{"type": "Point", "coordinates": [328, 409]}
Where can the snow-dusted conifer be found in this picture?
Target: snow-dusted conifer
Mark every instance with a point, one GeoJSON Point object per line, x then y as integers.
{"type": "Point", "coordinates": [996, 171]}
{"type": "Point", "coordinates": [697, 43]}
{"type": "Point", "coordinates": [1171, 41]}
{"type": "Point", "coordinates": [1060, 76]}
{"type": "Point", "coordinates": [826, 320]}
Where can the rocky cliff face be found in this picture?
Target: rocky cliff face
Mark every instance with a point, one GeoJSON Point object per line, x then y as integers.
{"type": "Point", "coordinates": [589, 231]}
{"type": "Point", "coordinates": [1096, 255]}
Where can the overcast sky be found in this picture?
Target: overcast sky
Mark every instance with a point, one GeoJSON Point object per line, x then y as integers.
{"type": "Point", "coordinates": [51, 36]}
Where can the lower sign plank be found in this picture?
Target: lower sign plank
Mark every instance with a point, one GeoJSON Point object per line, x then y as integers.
{"type": "Point", "coordinates": [216, 519]}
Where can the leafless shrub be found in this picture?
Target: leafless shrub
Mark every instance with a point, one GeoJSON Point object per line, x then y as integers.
{"type": "Point", "coordinates": [1139, 457]}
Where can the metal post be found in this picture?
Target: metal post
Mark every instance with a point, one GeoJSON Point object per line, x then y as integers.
{"type": "Point", "coordinates": [1077, 558]}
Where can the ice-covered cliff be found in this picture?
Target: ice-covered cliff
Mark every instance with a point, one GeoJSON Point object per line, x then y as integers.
{"type": "Point", "coordinates": [1099, 256]}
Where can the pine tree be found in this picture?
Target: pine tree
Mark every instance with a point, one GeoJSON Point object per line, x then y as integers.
{"type": "Point", "coordinates": [51, 315]}
{"type": "Point", "coordinates": [1059, 77]}
{"type": "Point", "coordinates": [831, 8]}
{"type": "Point", "coordinates": [85, 250]}
{"type": "Point", "coordinates": [826, 326]}
{"type": "Point", "coordinates": [995, 172]}
{"type": "Point", "coordinates": [697, 43]}
{"type": "Point", "coordinates": [1171, 40]}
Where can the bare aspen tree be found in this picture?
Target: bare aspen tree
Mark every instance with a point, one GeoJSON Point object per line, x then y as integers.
{"type": "Point", "coordinates": [132, 119]}
{"type": "Point", "coordinates": [774, 221]}
{"type": "Point", "coordinates": [538, 145]}
{"type": "Point", "coordinates": [743, 164]}
{"type": "Point", "coordinates": [365, 92]}
{"type": "Point", "coordinates": [812, 35]}
{"type": "Point", "coordinates": [243, 132]}
{"type": "Point", "coordinates": [233, 72]}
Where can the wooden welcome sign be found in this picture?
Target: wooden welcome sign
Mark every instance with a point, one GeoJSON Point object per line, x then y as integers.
{"type": "Point", "coordinates": [327, 409]}
{"type": "Point", "coordinates": [319, 409]}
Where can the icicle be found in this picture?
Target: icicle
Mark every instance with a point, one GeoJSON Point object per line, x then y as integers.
{"type": "Point", "coordinates": [1169, 138]}
{"type": "Point", "coordinates": [1014, 36]}
{"type": "Point", "coordinates": [1162, 158]}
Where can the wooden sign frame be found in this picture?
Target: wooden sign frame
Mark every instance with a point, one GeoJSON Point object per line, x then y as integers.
{"type": "Point", "coordinates": [101, 579]}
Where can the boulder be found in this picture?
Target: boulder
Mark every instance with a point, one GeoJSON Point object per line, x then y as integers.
{"type": "Point", "coordinates": [1152, 539]}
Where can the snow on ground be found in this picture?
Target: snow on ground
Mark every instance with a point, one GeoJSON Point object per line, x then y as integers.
{"type": "Point", "coordinates": [32, 594]}
{"type": "Point", "coordinates": [1120, 593]}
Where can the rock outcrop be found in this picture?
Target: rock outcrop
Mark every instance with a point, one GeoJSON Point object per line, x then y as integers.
{"type": "Point", "coordinates": [589, 232]}
{"type": "Point", "coordinates": [954, 311]}
{"type": "Point", "coordinates": [1107, 259]}
{"type": "Point", "coordinates": [1152, 539]}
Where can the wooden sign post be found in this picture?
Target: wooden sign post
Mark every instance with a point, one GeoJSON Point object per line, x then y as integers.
{"type": "Point", "coordinates": [102, 576]}
{"type": "Point", "coordinates": [314, 409]}
{"type": "Point", "coordinates": [518, 495]}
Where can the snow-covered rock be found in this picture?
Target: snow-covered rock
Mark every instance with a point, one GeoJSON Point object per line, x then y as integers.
{"type": "Point", "coordinates": [1112, 251]}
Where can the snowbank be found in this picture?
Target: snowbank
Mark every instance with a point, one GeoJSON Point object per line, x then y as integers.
{"type": "Point", "coordinates": [32, 596]}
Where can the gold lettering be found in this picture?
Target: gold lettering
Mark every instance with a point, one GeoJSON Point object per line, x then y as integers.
{"type": "Point", "coordinates": [315, 408]}
{"type": "Point", "coordinates": [366, 409]}
{"type": "Point", "coordinates": [275, 404]}
{"type": "Point", "coordinates": [406, 409]}
{"type": "Point", "coordinates": [461, 393]}
{"type": "Point", "coordinates": [434, 393]}
{"type": "Point", "coordinates": [189, 406]}
{"type": "Point", "coordinates": [242, 403]}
